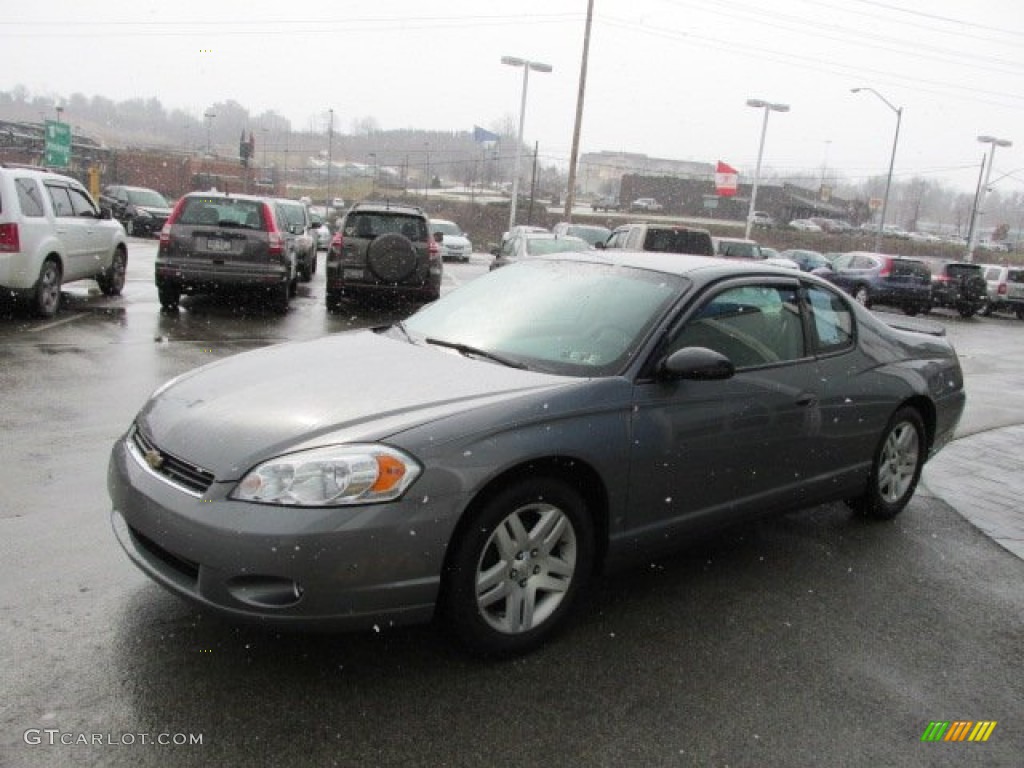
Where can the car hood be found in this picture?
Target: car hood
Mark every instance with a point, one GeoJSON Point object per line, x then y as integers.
{"type": "Point", "coordinates": [456, 240]}
{"type": "Point", "coordinates": [351, 387]}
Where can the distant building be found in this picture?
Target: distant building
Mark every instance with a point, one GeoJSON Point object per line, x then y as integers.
{"type": "Point", "coordinates": [601, 173]}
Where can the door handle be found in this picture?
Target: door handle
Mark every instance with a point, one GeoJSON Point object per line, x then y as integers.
{"type": "Point", "coordinates": [807, 398]}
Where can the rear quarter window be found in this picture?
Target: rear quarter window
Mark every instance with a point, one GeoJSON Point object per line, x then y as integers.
{"type": "Point", "coordinates": [831, 319]}
{"type": "Point", "coordinates": [30, 199]}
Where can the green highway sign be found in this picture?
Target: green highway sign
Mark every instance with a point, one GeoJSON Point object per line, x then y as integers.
{"type": "Point", "coordinates": [57, 152]}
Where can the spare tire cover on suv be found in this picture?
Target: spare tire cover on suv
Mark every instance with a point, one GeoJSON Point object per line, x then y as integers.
{"type": "Point", "coordinates": [392, 257]}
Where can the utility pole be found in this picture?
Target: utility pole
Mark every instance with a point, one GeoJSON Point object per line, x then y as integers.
{"type": "Point", "coordinates": [570, 195]}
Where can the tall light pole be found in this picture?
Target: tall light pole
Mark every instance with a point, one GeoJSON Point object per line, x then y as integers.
{"type": "Point", "coordinates": [209, 127]}
{"type": "Point", "coordinates": [373, 184]}
{"type": "Point", "coordinates": [527, 65]}
{"type": "Point", "coordinates": [892, 161]}
{"type": "Point", "coordinates": [330, 159]}
{"type": "Point", "coordinates": [767, 106]}
{"type": "Point", "coordinates": [980, 198]}
{"type": "Point", "coordinates": [570, 195]}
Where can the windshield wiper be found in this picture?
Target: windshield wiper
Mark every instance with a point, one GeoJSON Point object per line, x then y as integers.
{"type": "Point", "coordinates": [468, 351]}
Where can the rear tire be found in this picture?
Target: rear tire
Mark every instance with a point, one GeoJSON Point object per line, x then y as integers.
{"type": "Point", "coordinates": [46, 295]}
{"type": "Point", "coordinates": [280, 296]}
{"type": "Point", "coordinates": [111, 282]}
{"type": "Point", "coordinates": [170, 296]}
{"type": "Point", "coordinates": [896, 467]}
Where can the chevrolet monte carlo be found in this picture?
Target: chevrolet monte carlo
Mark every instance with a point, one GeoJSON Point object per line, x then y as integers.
{"type": "Point", "coordinates": [484, 459]}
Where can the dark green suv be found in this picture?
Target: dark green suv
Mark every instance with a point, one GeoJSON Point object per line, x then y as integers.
{"type": "Point", "coordinates": [384, 250]}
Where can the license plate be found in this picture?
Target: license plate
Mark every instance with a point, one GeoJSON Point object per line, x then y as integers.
{"type": "Point", "coordinates": [218, 245]}
{"type": "Point", "coordinates": [352, 274]}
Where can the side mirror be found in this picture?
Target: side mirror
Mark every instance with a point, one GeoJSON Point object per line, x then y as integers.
{"type": "Point", "coordinates": [439, 237]}
{"type": "Point", "coordinates": [696, 364]}
{"type": "Point", "coordinates": [106, 214]}
{"type": "Point", "coordinates": [600, 245]}
{"type": "Point", "coordinates": [495, 252]}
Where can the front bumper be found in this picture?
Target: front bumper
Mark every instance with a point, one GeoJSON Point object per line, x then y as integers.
{"type": "Point", "coordinates": [339, 568]}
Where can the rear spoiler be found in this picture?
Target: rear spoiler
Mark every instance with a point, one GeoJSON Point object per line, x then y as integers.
{"type": "Point", "coordinates": [914, 324]}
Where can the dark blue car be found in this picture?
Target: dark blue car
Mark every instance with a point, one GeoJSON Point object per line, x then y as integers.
{"type": "Point", "coordinates": [877, 278]}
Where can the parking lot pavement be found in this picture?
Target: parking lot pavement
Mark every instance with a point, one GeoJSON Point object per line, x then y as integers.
{"type": "Point", "coordinates": [979, 476]}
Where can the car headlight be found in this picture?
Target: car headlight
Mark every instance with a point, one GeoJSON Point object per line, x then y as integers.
{"type": "Point", "coordinates": [329, 477]}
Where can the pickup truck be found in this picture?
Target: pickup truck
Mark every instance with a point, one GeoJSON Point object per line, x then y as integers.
{"type": "Point", "coordinates": [1015, 291]}
{"type": "Point", "coordinates": [645, 204]}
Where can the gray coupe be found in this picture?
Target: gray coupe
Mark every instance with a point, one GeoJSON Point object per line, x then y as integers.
{"type": "Point", "coordinates": [485, 458]}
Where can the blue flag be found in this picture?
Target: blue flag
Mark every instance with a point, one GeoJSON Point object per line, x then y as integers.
{"type": "Point", "coordinates": [483, 136]}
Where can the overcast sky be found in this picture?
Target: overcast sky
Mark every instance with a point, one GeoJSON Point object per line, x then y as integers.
{"type": "Point", "coordinates": [669, 78]}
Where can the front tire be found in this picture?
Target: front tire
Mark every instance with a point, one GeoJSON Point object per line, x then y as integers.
{"type": "Point", "coordinates": [518, 567]}
{"type": "Point", "coordinates": [896, 467]}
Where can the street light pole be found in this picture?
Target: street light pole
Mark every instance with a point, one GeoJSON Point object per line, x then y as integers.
{"type": "Point", "coordinates": [527, 65]}
{"type": "Point", "coordinates": [972, 240]}
{"type": "Point", "coordinates": [330, 159]}
{"type": "Point", "coordinates": [892, 161]}
{"type": "Point", "coordinates": [767, 107]}
{"type": "Point", "coordinates": [209, 126]}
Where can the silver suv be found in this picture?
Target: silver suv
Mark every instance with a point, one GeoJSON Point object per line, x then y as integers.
{"type": "Point", "coordinates": [384, 250]}
{"type": "Point", "coordinates": [51, 233]}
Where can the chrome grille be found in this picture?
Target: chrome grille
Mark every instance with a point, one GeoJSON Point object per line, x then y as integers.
{"type": "Point", "coordinates": [184, 475]}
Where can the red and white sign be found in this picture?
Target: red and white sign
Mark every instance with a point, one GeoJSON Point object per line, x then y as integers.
{"type": "Point", "coordinates": [726, 179]}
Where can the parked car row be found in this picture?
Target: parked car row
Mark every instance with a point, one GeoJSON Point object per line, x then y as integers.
{"type": "Point", "coordinates": [916, 285]}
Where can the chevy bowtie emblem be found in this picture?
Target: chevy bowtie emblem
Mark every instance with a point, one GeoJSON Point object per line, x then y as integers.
{"type": "Point", "coordinates": [154, 459]}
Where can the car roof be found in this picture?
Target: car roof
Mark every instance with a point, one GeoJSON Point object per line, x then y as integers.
{"type": "Point", "coordinates": [382, 206]}
{"type": "Point", "coordinates": [228, 196]}
{"type": "Point", "coordinates": [39, 171]}
{"type": "Point", "coordinates": [683, 264]}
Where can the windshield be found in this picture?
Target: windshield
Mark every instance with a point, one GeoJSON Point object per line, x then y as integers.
{"type": "Point", "coordinates": [445, 227]}
{"type": "Point", "coordinates": [147, 197]}
{"type": "Point", "coordinates": [592, 235]}
{"type": "Point", "coordinates": [536, 246]}
{"type": "Point", "coordinates": [566, 317]}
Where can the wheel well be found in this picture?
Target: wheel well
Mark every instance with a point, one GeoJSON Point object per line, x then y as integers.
{"type": "Point", "coordinates": [926, 408]}
{"type": "Point", "coordinates": [54, 256]}
{"type": "Point", "coordinates": [578, 474]}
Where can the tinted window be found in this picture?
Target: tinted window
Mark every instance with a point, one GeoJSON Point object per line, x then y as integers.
{"type": "Point", "coordinates": [29, 197]}
{"type": "Point", "coordinates": [831, 320]}
{"type": "Point", "coordinates": [678, 241]}
{"type": "Point", "coordinates": [374, 225]}
{"type": "Point", "coordinates": [751, 325]}
{"type": "Point", "coordinates": [82, 203]}
{"type": "Point", "coordinates": [963, 270]}
{"type": "Point", "coordinates": [222, 212]}
{"type": "Point", "coordinates": [61, 200]}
